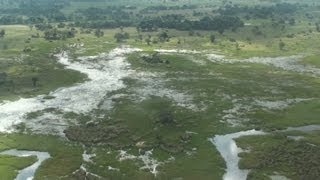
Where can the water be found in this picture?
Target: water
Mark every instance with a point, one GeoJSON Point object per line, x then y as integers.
{"type": "Point", "coordinates": [229, 150]}
{"type": "Point", "coordinates": [28, 172]}
{"type": "Point", "coordinates": [105, 75]}
{"type": "Point", "coordinates": [308, 128]}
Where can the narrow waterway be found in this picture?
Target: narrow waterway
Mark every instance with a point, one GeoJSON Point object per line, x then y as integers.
{"type": "Point", "coordinates": [28, 172]}
{"type": "Point", "coordinates": [229, 150]}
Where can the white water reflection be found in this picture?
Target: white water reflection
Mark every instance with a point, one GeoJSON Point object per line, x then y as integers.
{"type": "Point", "coordinates": [308, 128]}
{"type": "Point", "coordinates": [229, 151]}
{"type": "Point", "coordinates": [105, 75]}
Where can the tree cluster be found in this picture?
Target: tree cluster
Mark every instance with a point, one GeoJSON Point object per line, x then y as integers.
{"type": "Point", "coordinates": [98, 33]}
{"type": "Point", "coordinates": [55, 34]}
{"type": "Point", "coordinates": [3, 77]}
{"type": "Point", "coordinates": [121, 36]}
{"type": "Point", "coordinates": [179, 22]}
{"type": "Point", "coordinates": [2, 33]}
{"type": "Point", "coordinates": [259, 11]}
{"type": "Point", "coordinates": [153, 9]}
{"type": "Point", "coordinates": [318, 27]}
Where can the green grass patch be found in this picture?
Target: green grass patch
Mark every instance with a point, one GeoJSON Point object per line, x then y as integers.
{"type": "Point", "coordinates": [66, 156]}
{"type": "Point", "coordinates": [278, 154]}
{"type": "Point", "coordinates": [10, 165]}
{"type": "Point", "coordinates": [312, 60]}
{"type": "Point", "coordinates": [304, 113]}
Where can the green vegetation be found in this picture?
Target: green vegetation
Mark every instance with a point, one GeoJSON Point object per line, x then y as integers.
{"type": "Point", "coordinates": [279, 154]}
{"type": "Point", "coordinates": [62, 153]}
{"type": "Point", "coordinates": [9, 165]}
{"type": "Point", "coordinates": [161, 126]}
{"type": "Point", "coordinates": [312, 60]}
{"type": "Point", "coordinates": [297, 115]}
{"type": "Point", "coordinates": [19, 69]}
{"type": "Point", "coordinates": [172, 102]}
{"type": "Point", "coordinates": [2, 33]}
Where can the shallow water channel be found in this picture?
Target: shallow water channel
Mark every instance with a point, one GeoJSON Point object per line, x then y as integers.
{"type": "Point", "coordinates": [229, 150]}
{"type": "Point", "coordinates": [28, 172]}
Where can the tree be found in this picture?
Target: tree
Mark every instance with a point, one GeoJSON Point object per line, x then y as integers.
{"type": "Point", "coordinates": [126, 35]}
{"type": "Point", "coordinates": [318, 27]}
{"type": "Point", "coordinates": [61, 25]}
{"type": "Point", "coordinates": [55, 34]}
{"type": "Point", "coordinates": [98, 33]}
{"type": "Point", "coordinates": [2, 33]}
{"type": "Point", "coordinates": [292, 21]}
{"type": "Point", "coordinates": [3, 77]}
{"type": "Point", "coordinates": [180, 22]}
{"type": "Point", "coordinates": [221, 31]}
{"type": "Point", "coordinates": [237, 46]}
{"type": "Point", "coordinates": [30, 27]}
{"type": "Point", "coordinates": [154, 58]}
{"type": "Point", "coordinates": [163, 36]}
{"type": "Point", "coordinates": [121, 36]}
{"type": "Point", "coordinates": [34, 81]}
{"type": "Point", "coordinates": [281, 45]}
{"type": "Point", "coordinates": [256, 31]}
{"type": "Point", "coordinates": [118, 37]}
{"type": "Point", "coordinates": [27, 49]}
{"type": "Point", "coordinates": [166, 117]}
{"type": "Point", "coordinates": [179, 41]}
{"type": "Point", "coordinates": [212, 38]}
{"type": "Point", "coordinates": [148, 40]}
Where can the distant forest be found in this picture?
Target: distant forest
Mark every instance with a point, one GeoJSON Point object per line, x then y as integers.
{"type": "Point", "coordinates": [42, 13]}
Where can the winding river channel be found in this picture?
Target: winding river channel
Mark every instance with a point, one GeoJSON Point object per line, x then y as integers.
{"type": "Point", "coordinates": [28, 172]}
{"type": "Point", "coordinates": [229, 150]}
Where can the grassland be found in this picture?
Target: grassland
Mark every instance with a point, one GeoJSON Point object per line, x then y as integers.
{"type": "Point", "coordinates": [66, 156]}
{"type": "Point", "coordinates": [21, 67]}
{"type": "Point", "coordinates": [209, 85]}
{"type": "Point", "coordinates": [206, 82]}
{"type": "Point", "coordinates": [9, 165]}
{"type": "Point", "coordinates": [280, 155]}
{"type": "Point", "coordinates": [313, 60]}
{"type": "Point", "coordinates": [200, 98]}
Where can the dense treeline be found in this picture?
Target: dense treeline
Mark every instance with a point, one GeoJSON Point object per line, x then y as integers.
{"type": "Point", "coordinates": [217, 23]}
{"type": "Point", "coordinates": [109, 17]}
{"type": "Point", "coordinates": [42, 13]}
{"type": "Point", "coordinates": [99, 13]}
{"type": "Point", "coordinates": [55, 34]}
{"type": "Point", "coordinates": [34, 11]}
{"type": "Point", "coordinates": [116, 17]}
{"type": "Point", "coordinates": [104, 24]}
{"type": "Point", "coordinates": [152, 9]}
{"type": "Point", "coordinates": [259, 11]}
{"type": "Point", "coordinates": [35, 7]}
